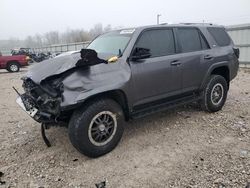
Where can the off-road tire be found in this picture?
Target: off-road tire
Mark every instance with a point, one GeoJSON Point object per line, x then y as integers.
{"type": "Point", "coordinates": [80, 123]}
{"type": "Point", "coordinates": [206, 102]}
{"type": "Point", "coordinates": [13, 67]}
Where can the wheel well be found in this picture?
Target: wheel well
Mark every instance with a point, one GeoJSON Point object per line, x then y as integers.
{"type": "Point", "coordinates": [223, 71]}
{"type": "Point", "coordinates": [117, 95]}
{"type": "Point", "coordinates": [13, 62]}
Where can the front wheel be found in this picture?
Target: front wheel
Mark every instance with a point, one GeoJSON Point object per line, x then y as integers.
{"type": "Point", "coordinates": [97, 128]}
{"type": "Point", "coordinates": [215, 94]}
{"type": "Point", "coordinates": [13, 67]}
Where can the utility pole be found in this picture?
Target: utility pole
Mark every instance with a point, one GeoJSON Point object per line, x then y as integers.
{"type": "Point", "coordinates": [158, 19]}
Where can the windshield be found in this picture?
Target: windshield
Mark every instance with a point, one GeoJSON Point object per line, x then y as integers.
{"type": "Point", "coordinates": [113, 42]}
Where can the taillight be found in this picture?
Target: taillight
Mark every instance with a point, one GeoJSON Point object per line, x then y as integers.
{"type": "Point", "coordinates": [237, 52]}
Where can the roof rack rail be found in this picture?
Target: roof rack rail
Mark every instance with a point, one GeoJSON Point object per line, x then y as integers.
{"type": "Point", "coordinates": [197, 23]}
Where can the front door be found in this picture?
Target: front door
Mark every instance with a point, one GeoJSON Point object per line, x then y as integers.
{"type": "Point", "coordinates": [158, 76]}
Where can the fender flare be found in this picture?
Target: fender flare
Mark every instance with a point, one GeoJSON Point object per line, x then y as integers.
{"type": "Point", "coordinates": [119, 95]}
{"type": "Point", "coordinates": [13, 61]}
{"type": "Point", "coordinates": [210, 70]}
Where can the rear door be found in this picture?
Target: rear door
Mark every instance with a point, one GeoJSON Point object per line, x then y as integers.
{"type": "Point", "coordinates": [158, 76]}
{"type": "Point", "coordinates": [193, 54]}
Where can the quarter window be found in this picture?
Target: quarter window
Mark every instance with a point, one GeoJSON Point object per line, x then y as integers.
{"type": "Point", "coordinates": [220, 36]}
{"type": "Point", "coordinates": [160, 42]}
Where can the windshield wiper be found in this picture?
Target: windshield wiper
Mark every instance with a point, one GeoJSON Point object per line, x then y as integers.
{"type": "Point", "coordinates": [120, 53]}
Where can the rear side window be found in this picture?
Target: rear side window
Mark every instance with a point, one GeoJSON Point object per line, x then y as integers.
{"type": "Point", "coordinates": [220, 36]}
{"type": "Point", "coordinates": [204, 43]}
{"type": "Point", "coordinates": [191, 40]}
{"type": "Point", "coordinates": [160, 42]}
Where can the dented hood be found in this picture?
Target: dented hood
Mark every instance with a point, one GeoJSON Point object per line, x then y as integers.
{"type": "Point", "coordinates": [55, 66]}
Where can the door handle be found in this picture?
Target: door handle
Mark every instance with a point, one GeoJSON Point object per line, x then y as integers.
{"type": "Point", "coordinates": [175, 63]}
{"type": "Point", "coordinates": [208, 57]}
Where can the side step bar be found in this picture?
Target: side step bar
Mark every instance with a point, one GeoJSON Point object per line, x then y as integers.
{"type": "Point", "coordinates": [165, 106]}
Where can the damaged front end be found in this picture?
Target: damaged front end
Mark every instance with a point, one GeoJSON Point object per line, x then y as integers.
{"type": "Point", "coordinates": [44, 87]}
{"type": "Point", "coordinates": [41, 102]}
{"type": "Point", "coordinates": [46, 98]}
{"type": "Point", "coordinates": [55, 88]}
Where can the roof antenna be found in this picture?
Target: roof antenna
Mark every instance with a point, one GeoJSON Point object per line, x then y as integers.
{"type": "Point", "coordinates": [158, 19]}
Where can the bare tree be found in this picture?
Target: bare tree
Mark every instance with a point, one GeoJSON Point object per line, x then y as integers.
{"type": "Point", "coordinates": [39, 40]}
{"type": "Point", "coordinates": [30, 42]}
{"type": "Point", "coordinates": [52, 37]}
{"type": "Point", "coordinates": [77, 35]}
{"type": "Point", "coordinates": [11, 43]}
{"type": "Point", "coordinates": [107, 28]}
{"type": "Point", "coordinates": [97, 30]}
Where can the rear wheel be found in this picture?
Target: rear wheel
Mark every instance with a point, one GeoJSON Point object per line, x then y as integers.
{"type": "Point", "coordinates": [13, 67]}
{"type": "Point", "coordinates": [214, 94]}
{"type": "Point", "coordinates": [97, 128]}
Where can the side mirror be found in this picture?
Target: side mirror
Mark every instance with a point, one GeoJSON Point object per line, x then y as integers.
{"type": "Point", "coordinates": [140, 53]}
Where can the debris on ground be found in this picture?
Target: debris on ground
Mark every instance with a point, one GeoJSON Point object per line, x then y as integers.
{"type": "Point", "coordinates": [1, 175]}
{"type": "Point", "coordinates": [101, 185]}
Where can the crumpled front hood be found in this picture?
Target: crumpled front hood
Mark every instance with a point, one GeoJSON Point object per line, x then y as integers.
{"type": "Point", "coordinates": [55, 66]}
{"type": "Point", "coordinates": [51, 67]}
{"type": "Point", "coordinates": [77, 77]}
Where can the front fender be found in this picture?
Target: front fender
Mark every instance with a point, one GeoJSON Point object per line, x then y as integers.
{"type": "Point", "coordinates": [84, 83]}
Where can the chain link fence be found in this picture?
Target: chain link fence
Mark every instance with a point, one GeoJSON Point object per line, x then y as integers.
{"type": "Point", "coordinates": [62, 47]}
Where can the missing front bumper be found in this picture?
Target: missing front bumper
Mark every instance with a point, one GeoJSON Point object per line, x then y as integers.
{"type": "Point", "coordinates": [31, 112]}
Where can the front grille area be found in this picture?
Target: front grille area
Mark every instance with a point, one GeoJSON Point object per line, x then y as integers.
{"type": "Point", "coordinates": [30, 88]}
{"type": "Point", "coordinates": [41, 100]}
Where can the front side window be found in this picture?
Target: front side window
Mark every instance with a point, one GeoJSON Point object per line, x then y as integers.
{"type": "Point", "coordinates": [160, 42]}
{"type": "Point", "coordinates": [113, 43]}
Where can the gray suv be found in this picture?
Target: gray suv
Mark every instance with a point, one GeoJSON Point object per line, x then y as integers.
{"type": "Point", "coordinates": [127, 74]}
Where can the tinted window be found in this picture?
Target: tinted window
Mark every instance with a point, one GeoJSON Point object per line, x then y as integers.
{"type": "Point", "coordinates": [220, 36]}
{"type": "Point", "coordinates": [189, 39]}
{"type": "Point", "coordinates": [160, 42]}
{"type": "Point", "coordinates": [204, 43]}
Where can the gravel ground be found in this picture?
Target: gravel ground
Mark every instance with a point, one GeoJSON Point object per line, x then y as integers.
{"type": "Point", "coordinates": [185, 147]}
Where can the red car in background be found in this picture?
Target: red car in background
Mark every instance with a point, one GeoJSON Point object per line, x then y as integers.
{"type": "Point", "coordinates": [13, 63]}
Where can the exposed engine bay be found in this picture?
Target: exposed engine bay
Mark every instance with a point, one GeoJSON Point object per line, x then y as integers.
{"type": "Point", "coordinates": [46, 98]}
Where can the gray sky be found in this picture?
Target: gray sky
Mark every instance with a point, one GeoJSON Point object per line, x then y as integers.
{"type": "Point", "coordinates": [20, 18]}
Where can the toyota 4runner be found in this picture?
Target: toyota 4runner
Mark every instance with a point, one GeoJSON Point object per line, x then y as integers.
{"type": "Point", "coordinates": [127, 74]}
